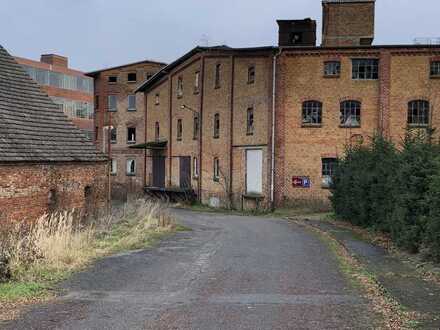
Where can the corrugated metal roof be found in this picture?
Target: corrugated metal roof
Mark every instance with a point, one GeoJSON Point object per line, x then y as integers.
{"type": "Point", "coordinates": [32, 127]}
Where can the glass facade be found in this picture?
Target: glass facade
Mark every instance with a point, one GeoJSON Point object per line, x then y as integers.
{"type": "Point", "coordinates": [75, 109]}
{"type": "Point", "coordinates": [60, 80]}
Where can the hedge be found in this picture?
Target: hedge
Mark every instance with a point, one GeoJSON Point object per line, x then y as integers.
{"type": "Point", "coordinates": [393, 189]}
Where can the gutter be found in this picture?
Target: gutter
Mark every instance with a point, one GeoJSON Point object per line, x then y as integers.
{"type": "Point", "coordinates": [272, 158]}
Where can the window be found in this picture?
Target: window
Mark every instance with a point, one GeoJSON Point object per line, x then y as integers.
{"type": "Point", "coordinates": [132, 77]}
{"type": "Point", "coordinates": [364, 69]}
{"type": "Point", "coordinates": [250, 121]}
{"type": "Point", "coordinates": [311, 113]}
{"type": "Point", "coordinates": [195, 167]}
{"type": "Point", "coordinates": [216, 170]}
{"type": "Point", "coordinates": [251, 74]}
{"type": "Point", "coordinates": [179, 129]}
{"type": "Point", "coordinates": [216, 126]}
{"type": "Point", "coordinates": [131, 102]}
{"type": "Point", "coordinates": [157, 131]}
{"type": "Point", "coordinates": [435, 69]}
{"type": "Point", "coordinates": [131, 134]}
{"type": "Point", "coordinates": [114, 169]}
{"type": "Point", "coordinates": [112, 79]}
{"type": "Point", "coordinates": [328, 170]}
{"type": "Point", "coordinates": [148, 75]}
{"type": "Point", "coordinates": [112, 103]}
{"type": "Point", "coordinates": [332, 69]}
{"type": "Point", "coordinates": [96, 101]}
{"type": "Point", "coordinates": [217, 75]}
{"type": "Point", "coordinates": [113, 135]}
{"type": "Point", "coordinates": [157, 99]}
{"type": "Point", "coordinates": [179, 87]}
{"type": "Point", "coordinates": [351, 114]}
{"type": "Point", "coordinates": [418, 113]}
{"type": "Point", "coordinates": [197, 82]}
{"type": "Point", "coordinates": [131, 167]}
{"type": "Point", "coordinates": [196, 127]}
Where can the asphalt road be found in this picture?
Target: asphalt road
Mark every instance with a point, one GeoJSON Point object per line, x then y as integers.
{"type": "Point", "coordinates": [229, 272]}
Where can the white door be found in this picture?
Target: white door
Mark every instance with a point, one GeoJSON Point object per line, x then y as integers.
{"type": "Point", "coordinates": [254, 171]}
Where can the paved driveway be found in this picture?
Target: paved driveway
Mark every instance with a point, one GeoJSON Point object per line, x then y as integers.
{"type": "Point", "coordinates": [230, 272]}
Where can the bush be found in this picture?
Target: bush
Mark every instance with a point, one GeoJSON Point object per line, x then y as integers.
{"type": "Point", "coordinates": [396, 191]}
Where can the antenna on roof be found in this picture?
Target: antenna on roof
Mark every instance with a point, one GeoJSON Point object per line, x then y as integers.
{"type": "Point", "coordinates": [427, 41]}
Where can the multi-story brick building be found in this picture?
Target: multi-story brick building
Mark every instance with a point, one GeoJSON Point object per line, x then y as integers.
{"type": "Point", "coordinates": [46, 163]}
{"type": "Point", "coordinates": [70, 89]}
{"type": "Point", "coordinates": [265, 125]}
{"type": "Point", "coordinates": [120, 122]}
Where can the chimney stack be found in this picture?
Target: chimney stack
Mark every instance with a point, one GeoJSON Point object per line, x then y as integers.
{"type": "Point", "coordinates": [347, 23]}
{"type": "Point", "coordinates": [56, 60]}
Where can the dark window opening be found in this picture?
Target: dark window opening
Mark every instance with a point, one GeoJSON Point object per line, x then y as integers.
{"type": "Point", "coordinates": [312, 113]}
{"type": "Point", "coordinates": [196, 130]}
{"type": "Point", "coordinates": [418, 113]}
{"type": "Point", "coordinates": [350, 114]}
{"type": "Point", "coordinates": [216, 126]}
{"type": "Point", "coordinates": [332, 69]}
{"type": "Point", "coordinates": [217, 75]}
{"type": "Point", "coordinates": [179, 129]}
{"type": "Point", "coordinates": [131, 134]}
{"type": "Point", "coordinates": [132, 77]}
{"type": "Point", "coordinates": [112, 79]}
{"type": "Point", "coordinates": [52, 201]}
{"type": "Point", "coordinates": [96, 101]}
{"type": "Point", "coordinates": [250, 121]}
{"type": "Point", "coordinates": [296, 38]}
{"type": "Point", "coordinates": [365, 69]}
{"type": "Point", "coordinates": [251, 75]}
{"type": "Point", "coordinates": [157, 131]}
{"type": "Point", "coordinates": [435, 69]}
{"type": "Point", "coordinates": [216, 169]}
{"type": "Point", "coordinates": [131, 167]}
{"type": "Point", "coordinates": [113, 135]}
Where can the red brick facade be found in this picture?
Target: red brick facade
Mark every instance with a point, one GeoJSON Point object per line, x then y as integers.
{"type": "Point", "coordinates": [28, 191]}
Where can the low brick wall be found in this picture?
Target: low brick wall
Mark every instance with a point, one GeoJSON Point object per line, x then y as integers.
{"type": "Point", "coordinates": [28, 191]}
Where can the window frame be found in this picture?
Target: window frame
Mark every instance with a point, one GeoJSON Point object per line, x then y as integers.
{"type": "Point", "coordinates": [112, 79]}
{"type": "Point", "coordinates": [337, 68]}
{"type": "Point", "coordinates": [419, 114]}
{"type": "Point", "coordinates": [131, 109]}
{"type": "Point", "coordinates": [157, 99]}
{"type": "Point", "coordinates": [130, 81]}
{"type": "Point", "coordinates": [179, 87]}
{"type": "Point", "coordinates": [313, 110]}
{"type": "Point", "coordinates": [196, 126]}
{"type": "Point", "coordinates": [216, 127]}
{"type": "Point", "coordinates": [434, 65]}
{"type": "Point", "coordinates": [370, 71]}
{"type": "Point", "coordinates": [129, 141]}
{"type": "Point", "coordinates": [250, 121]}
{"type": "Point", "coordinates": [251, 75]}
{"type": "Point", "coordinates": [179, 130]}
{"type": "Point", "coordinates": [96, 105]}
{"type": "Point", "coordinates": [344, 110]}
{"type": "Point", "coordinates": [113, 132]}
{"type": "Point", "coordinates": [109, 108]}
{"type": "Point", "coordinates": [328, 165]}
{"type": "Point", "coordinates": [195, 168]}
{"type": "Point", "coordinates": [197, 82]}
{"type": "Point", "coordinates": [128, 168]}
{"type": "Point", "coordinates": [157, 131]}
{"type": "Point", "coordinates": [216, 169]}
{"type": "Point", "coordinates": [114, 167]}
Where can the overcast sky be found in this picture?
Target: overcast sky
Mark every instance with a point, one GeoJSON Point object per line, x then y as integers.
{"type": "Point", "coordinates": [99, 33]}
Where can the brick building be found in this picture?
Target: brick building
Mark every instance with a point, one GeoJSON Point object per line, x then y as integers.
{"type": "Point", "coordinates": [120, 122]}
{"type": "Point", "coordinates": [46, 163]}
{"type": "Point", "coordinates": [70, 89]}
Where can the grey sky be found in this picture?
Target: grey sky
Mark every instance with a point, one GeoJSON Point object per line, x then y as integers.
{"type": "Point", "coordinates": [100, 33]}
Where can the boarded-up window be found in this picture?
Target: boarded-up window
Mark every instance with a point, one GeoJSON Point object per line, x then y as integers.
{"type": "Point", "coordinates": [254, 171]}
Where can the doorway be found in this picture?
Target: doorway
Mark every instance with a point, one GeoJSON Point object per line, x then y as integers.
{"type": "Point", "coordinates": [158, 171]}
{"type": "Point", "coordinates": [254, 171]}
{"type": "Point", "coordinates": [185, 172]}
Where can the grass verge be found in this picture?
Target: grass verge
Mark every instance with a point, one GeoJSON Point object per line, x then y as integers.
{"type": "Point", "coordinates": [51, 249]}
{"type": "Point", "coordinates": [392, 314]}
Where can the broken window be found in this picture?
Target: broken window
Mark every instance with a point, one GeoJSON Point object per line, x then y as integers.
{"type": "Point", "coordinates": [418, 113]}
{"type": "Point", "coordinates": [328, 170]}
{"type": "Point", "coordinates": [332, 69]}
{"type": "Point", "coordinates": [365, 69]}
{"type": "Point", "coordinates": [179, 129]}
{"type": "Point", "coordinates": [131, 134]}
{"type": "Point", "coordinates": [350, 114]}
{"type": "Point", "coordinates": [250, 121]}
{"type": "Point", "coordinates": [312, 113]}
{"type": "Point", "coordinates": [131, 167]}
{"type": "Point", "coordinates": [216, 126]}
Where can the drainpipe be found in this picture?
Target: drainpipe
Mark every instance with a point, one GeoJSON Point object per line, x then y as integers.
{"type": "Point", "coordinates": [274, 89]}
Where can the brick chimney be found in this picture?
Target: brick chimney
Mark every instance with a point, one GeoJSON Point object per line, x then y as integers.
{"type": "Point", "coordinates": [56, 60]}
{"type": "Point", "coordinates": [347, 22]}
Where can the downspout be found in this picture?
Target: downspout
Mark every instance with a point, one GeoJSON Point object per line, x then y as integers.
{"type": "Point", "coordinates": [145, 139]}
{"type": "Point", "coordinates": [272, 158]}
{"type": "Point", "coordinates": [201, 129]}
{"type": "Point", "coordinates": [231, 154]}
{"type": "Point", "coordinates": [170, 130]}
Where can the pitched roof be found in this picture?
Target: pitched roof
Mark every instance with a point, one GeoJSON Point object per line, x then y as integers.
{"type": "Point", "coordinates": [32, 127]}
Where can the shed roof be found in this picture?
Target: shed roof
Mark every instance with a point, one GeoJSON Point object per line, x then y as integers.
{"type": "Point", "coordinates": [32, 127]}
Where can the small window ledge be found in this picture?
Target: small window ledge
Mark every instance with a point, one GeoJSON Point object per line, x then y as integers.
{"type": "Point", "coordinates": [346, 126]}
{"type": "Point", "coordinates": [311, 125]}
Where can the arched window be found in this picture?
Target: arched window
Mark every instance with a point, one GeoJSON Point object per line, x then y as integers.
{"type": "Point", "coordinates": [311, 113]}
{"type": "Point", "coordinates": [418, 113]}
{"type": "Point", "coordinates": [351, 114]}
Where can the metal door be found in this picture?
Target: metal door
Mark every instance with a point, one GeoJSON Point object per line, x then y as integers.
{"type": "Point", "coordinates": [159, 172]}
{"type": "Point", "coordinates": [185, 172]}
